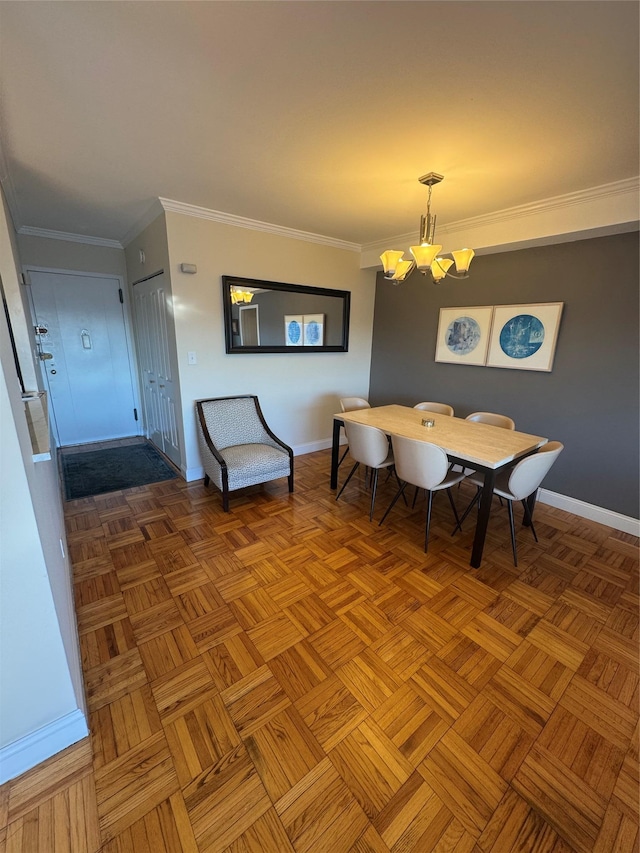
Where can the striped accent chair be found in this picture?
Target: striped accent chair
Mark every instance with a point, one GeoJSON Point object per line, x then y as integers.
{"type": "Point", "coordinates": [237, 447]}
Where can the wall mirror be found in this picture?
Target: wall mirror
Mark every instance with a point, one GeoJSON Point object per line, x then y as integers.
{"type": "Point", "coordinates": [271, 316]}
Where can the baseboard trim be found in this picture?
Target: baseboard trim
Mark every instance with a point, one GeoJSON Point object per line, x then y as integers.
{"type": "Point", "coordinates": [23, 754]}
{"type": "Point", "coordinates": [624, 523]}
{"type": "Point", "coordinates": [599, 514]}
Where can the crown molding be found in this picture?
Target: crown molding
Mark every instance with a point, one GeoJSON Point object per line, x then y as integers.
{"type": "Point", "coordinates": [536, 208]}
{"type": "Point", "coordinates": [255, 225]}
{"type": "Point", "coordinates": [31, 231]}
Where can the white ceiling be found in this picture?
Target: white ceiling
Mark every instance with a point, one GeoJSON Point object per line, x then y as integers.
{"type": "Point", "coordinates": [317, 116]}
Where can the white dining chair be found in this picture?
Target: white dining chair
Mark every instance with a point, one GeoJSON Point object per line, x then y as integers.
{"type": "Point", "coordinates": [369, 446]}
{"type": "Point", "coordinates": [436, 408]}
{"type": "Point", "coordinates": [351, 404]}
{"type": "Point", "coordinates": [426, 466]}
{"type": "Point", "coordinates": [517, 484]}
{"type": "Point", "coordinates": [493, 419]}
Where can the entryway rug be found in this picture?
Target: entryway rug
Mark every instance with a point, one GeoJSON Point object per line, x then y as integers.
{"type": "Point", "coordinates": [99, 471]}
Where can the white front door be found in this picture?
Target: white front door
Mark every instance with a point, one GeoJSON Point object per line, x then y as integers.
{"type": "Point", "coordinates": [152, 318]}
{"type": "Point", "coordinates": [89, 374]}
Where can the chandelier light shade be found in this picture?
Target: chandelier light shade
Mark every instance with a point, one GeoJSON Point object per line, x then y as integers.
{"type": "Point", "coordinates": [426, 256]}
{"type": "Point", "coordinates": [238, 296]}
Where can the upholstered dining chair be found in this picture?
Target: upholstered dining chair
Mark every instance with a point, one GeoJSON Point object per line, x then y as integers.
{"type": "Point", "coordinates": [492, 419]}
{"type": "Point", "coordinates": [368, 446]}
{"type": "Point", "coordinates": [517, 484]}
{"type": "Point", "coordinates": [436, 408]}
{"type": "Point", "coordinates": [351, 404]}
{"type": "Point", "coordinates": [425, 466]}
{"type": "Point", "coordinates": [237, 447]}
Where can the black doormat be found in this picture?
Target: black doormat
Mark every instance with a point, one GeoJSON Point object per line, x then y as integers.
{"type": "Point", "coordinates": [99, 471]}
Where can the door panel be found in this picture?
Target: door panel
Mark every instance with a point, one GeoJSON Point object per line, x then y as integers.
{"type": "Point", "coordinates": [152, 318]}
{"type": "Point", "coordinates": [89, 373]}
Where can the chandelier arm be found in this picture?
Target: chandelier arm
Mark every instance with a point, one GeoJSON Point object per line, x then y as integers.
{"type": "Point", "coordinates": [459, 277]}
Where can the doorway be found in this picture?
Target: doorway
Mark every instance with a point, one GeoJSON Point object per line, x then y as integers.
{"type": "Point", "coordinates": [85, 355]}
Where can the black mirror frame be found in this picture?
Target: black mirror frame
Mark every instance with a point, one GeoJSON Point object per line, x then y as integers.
{"type": "Point", "coordinates": [229, 281]}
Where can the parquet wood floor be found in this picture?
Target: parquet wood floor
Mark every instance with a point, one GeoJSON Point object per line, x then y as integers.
{"type": "Point", "coordinates": [291, 678]}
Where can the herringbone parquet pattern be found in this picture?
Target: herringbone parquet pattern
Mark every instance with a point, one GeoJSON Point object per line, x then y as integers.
{"type": "Point", "coordinates": [291, 677]}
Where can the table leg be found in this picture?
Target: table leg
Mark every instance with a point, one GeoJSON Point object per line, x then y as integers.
{"type": "Point", "coordinates": [482, 523]}
{"type": "Point", "coordinates": [335, 450]}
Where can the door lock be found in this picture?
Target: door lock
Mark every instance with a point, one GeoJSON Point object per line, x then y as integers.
{"type": "Point", "coordinates": [45, 355]}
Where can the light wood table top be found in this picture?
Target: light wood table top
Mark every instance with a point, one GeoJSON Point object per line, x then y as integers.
{"type": "Point", "coordinates": [479, 444]}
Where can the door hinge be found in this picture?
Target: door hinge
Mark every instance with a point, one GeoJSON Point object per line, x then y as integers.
{"type": "Point", "coordinates": [135, 414]}
{"type": "Point", "coordinates": [121, 296]}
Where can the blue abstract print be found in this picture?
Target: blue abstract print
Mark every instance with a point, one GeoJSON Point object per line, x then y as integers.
{"type": "Point", "coordinates": [521, 336]}
{"type": "Point", "coordinates": [463, 335]}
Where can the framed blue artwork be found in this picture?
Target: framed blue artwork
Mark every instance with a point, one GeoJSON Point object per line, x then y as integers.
{"type": "Point", "coordinates": [313, 330]}
{"type": "Point", "coordinates": [463, 335]}
{"type": "Point", "coordinates": [524, 337]}
{"type": "Point", "coordinates": [293, 330]}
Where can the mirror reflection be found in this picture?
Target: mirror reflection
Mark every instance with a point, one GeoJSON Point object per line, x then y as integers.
{"type": "Point", "coordinates": [268, 316]}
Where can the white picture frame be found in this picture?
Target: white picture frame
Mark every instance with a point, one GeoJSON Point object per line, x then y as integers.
{"type": "Point", "coordinates": [524, 337]}
{"type": "Point", "coordinates": [463, 335]}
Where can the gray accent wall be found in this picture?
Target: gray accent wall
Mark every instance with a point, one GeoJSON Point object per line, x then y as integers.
{"type": "Point", "coordinates": [590, 400]}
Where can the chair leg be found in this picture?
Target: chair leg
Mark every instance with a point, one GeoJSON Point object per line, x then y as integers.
{"type": "Point", "coordinates": [428, 524]}
{"type": "Point", "coordinates": [528, 518]}
{"type": "Point", "coordinates": [374, 488]}
{"type": "Point", "coordinates": [393, 503]}
{"type": "Point", "coordinates": [473, 502]}
{"type": "Point", "coordinates": [351, 473]}
{"type": "Point", "coordinates": [342, 458]}
{"type": "Point", "coordinates": [415, 497]}
{"type": "Point", "coordinates": [399, 484]}
{"type": "Point", "coordinates": [225, 500]}
{"type": "Point", "coordinates": [290, 479]}
{"type": "Point", "coordinates": [455, 511]}
{"type": "Point", "coordinates": [206, 480]}
{"type": "Point", "coordinates": [513, 533]}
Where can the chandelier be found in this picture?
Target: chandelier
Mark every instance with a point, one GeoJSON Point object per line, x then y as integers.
{"type": "Point", "coordinates": [239, 296]}
{"type": "Point", "coordinates": [425, 256]}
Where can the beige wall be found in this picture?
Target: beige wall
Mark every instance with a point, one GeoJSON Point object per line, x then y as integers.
{"type": "Point", "coordinates": [64, 255]}
{"type": "Point", "coordinates": [298, 392]}
{"type": "Point", "coordinates": [41, 693]}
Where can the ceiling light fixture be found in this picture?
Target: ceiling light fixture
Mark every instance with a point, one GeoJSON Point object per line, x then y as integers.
{"type": "Point", "coordinates": [425, 256]}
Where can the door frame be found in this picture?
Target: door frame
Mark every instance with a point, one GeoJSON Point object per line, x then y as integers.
{"type": "Point", "coordinates": [126, 315]}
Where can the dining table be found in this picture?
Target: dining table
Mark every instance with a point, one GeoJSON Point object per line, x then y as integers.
{"type": "Point", "coordinates": [484, 448]}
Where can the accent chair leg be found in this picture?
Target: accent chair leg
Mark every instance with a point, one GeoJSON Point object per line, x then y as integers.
{"type": "Point", "coordinates": [225, 500]}
{"type": "Point", "coordinates": [206, 480]}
